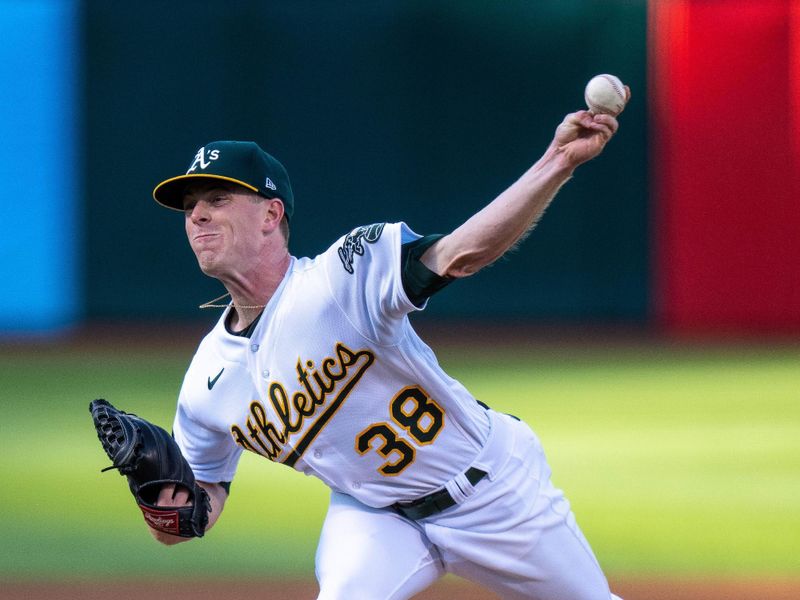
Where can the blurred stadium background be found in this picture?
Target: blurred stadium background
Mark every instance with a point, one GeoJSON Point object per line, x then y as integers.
{"type": "Point", "coordinates": [649, 329]}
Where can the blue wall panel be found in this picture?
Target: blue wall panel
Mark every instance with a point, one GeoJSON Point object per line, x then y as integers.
{"type": "Point", "coordinates": [39, 167]}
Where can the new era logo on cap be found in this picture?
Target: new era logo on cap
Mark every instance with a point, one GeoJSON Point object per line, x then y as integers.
{"type": "Point", "coordinates": [242, 163]}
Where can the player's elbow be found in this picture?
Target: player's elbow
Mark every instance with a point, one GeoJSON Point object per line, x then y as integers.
{"type": "Point", "coordinates": [469, 263]}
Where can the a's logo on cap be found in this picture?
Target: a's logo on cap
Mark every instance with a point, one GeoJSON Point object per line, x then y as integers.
{"type": "Point", "coordinates": [200, 159]}
{"type": "Point", "coordinates": [270, 185]}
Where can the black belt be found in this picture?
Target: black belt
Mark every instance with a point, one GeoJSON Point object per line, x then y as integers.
{"type": "Point", "coordinates": [437, 501]}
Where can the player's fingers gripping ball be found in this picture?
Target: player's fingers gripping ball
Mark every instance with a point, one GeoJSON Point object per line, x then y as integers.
{"type": "Point", "coordinates": [606, 94]}
{"type": "Point", "coordinates": [148, 456]}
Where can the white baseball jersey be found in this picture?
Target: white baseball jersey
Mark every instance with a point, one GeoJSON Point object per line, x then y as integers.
{"type": "Point", "coordinates": [334, 382]}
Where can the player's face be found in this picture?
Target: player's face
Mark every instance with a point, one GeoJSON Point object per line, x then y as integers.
{"type": "Point", "coordinates": [224, 227]}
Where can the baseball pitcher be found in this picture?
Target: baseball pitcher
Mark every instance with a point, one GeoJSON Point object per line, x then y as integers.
{"type": "Point", "coordinates": [314, 364]}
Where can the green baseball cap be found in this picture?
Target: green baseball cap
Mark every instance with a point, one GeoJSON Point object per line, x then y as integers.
{"type": "Point", "coordinates": [243, 163]}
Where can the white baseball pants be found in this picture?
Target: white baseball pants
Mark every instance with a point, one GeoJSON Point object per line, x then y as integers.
{"type": "Point", "coordinates": [513, 533]}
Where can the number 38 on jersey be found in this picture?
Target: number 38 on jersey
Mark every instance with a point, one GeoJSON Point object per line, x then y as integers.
{"type": "Point", "coordinates": [413, 412]}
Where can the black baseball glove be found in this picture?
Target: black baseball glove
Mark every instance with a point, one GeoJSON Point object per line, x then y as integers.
{"type": "Point", "coordinates": [149, 457]}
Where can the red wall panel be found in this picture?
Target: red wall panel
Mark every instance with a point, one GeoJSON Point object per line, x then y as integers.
{"type": "Point", "coordinates": [725, 77]}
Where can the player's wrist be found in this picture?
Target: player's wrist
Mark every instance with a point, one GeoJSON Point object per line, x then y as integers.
{"type": "Point", "coordinates": [555, 164]}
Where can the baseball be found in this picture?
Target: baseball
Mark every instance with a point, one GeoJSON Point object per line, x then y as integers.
{"type": "Point", "coordinates": [605, 94]}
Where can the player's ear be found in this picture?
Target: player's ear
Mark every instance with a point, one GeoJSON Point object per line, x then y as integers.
{"type": "Point", "coordinates": [273, 215]}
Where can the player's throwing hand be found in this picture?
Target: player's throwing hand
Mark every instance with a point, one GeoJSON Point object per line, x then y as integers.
{"type": "Point", "coordinates": [582, 135]}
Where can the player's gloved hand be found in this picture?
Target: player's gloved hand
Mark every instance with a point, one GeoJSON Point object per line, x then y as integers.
{"type": "Point", "coordinates": [148, 456]}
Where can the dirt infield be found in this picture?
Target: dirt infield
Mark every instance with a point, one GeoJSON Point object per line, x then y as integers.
{"type": "Point", "coordinates": [632, 589]}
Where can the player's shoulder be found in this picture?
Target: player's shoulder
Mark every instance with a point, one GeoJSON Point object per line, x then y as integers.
{"type": "Point", "coordinates": [355, 242]}
{"type": "Point", "coordinates": [368, 239]}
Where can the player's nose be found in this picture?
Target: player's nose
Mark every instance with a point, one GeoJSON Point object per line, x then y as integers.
{"type": "Point", "coordinates": [199, 213]}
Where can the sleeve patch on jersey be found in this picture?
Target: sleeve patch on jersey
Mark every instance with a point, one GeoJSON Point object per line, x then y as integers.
{"type": "Point", "coordinates": [353, 243]}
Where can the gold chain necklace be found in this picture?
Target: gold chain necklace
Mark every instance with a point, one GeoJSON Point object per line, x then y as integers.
{"type": "Point", "coordinates": [212, 304]}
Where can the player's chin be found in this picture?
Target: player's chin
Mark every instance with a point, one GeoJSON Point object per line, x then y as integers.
{"type": "Point", "coordinates": [209, 263]}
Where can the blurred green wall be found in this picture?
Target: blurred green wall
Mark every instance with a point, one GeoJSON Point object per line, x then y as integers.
{"type": "Point", "coordinates": [415, 111]}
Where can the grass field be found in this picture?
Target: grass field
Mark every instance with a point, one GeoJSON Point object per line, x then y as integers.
{"type": "Point", "coordinates": [679, 460]}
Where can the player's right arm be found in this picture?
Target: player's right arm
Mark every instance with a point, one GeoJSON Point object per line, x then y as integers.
{"type": "Point", "coordinates": [169, 496]}
{"type": "Point", "coordinates": [501, 224]}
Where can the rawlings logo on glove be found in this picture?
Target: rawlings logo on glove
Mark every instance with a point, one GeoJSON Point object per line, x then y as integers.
{"type": "Point", "coordinates": [163, 521]}
{"type": "Point", "coordinates": [149, 457]}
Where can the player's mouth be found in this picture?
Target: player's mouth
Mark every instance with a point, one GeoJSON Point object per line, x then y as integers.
{"type": "Point", "coordinates": [203, 237]}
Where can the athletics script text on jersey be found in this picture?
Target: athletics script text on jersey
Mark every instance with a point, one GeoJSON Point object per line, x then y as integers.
{"type": "Point", "coordinates": [323, 390]}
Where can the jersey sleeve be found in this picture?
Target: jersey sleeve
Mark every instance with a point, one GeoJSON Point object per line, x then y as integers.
{"type": "Point", "coordinates": [365, 275]}
{"type": "Point", "coordinates": [211, 454]}
{"type": "Point", "coordinates": [419, 282]}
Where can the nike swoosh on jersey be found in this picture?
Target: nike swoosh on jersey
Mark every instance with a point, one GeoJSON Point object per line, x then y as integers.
{"type": "Point", "coordinates": [211, 382]}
